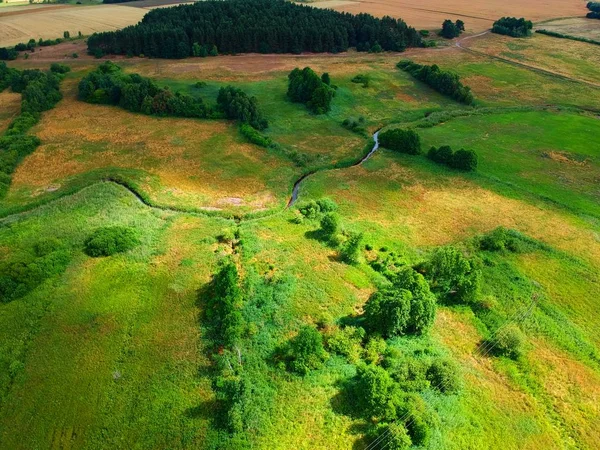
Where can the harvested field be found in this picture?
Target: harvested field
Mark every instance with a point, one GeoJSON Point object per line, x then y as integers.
{"type": "Point", "coordinates": [51, 23]}
{"type": "Point", "coordinates": [478, 16]}
{"type": "Point", "coordinates": [573, 26]}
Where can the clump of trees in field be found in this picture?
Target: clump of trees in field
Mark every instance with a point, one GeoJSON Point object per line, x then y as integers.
{"type": "Point", "coordinates": [39, 92]}
{"type": "Point", "coordinates": [461, 159]}
{"type": "Point", "coordinates": [451, 30]}
{"type": "Point", "coordinates": [594, 8]}
{"type": "Point", "coordinates": [237, 105]}
{"type": "Point", "coordinates": [511, 26]}
{"type": "Point", "coordinates": [305, 86]}
{"type": "Point", "coordinates": [244, 26]}
{"type": "Point", "coordinates": [23, 272]}
{"type": "Point", "coordinates": [443, 81]}
{"type": "Point", "coordinates": [108, 241]}
{"type": "Point", "coordinates": [401, 140]}
{"type": "Point", "coordinates": [109, 85]}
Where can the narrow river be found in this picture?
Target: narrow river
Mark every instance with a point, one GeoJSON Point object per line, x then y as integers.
{"type": "Point", "coordinates": [306, 175]}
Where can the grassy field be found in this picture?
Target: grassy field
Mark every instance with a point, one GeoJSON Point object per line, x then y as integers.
{"type": "Point", "coordinates": [115, 352]}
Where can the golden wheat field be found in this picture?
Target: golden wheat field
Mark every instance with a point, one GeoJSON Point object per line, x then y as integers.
{"type": "Point", "coordinates": [51, 23]}
{"type": "Point", "coordinates": [478, 16]}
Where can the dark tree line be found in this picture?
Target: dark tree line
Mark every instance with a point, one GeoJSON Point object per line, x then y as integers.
{"type": "Point", "coordinates": [244, 26]}
{"type": "Point", "coordinates": [511, 26]}
{"type": "Point", "coordinates": [109, 85]}
{"type": "Point", "coordinates": [445, 82]}
{"type": "Point", "coordinates": [461, 159]}
{"type": "Point", "coordinates": [39, 92]}
{"type": "Point", "coordinates": [306, 87]}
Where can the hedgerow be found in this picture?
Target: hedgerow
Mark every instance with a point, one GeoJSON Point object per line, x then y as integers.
{"type": "Point", "coordinates": [445, 82]}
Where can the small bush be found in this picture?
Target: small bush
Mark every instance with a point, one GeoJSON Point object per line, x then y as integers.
{"type": "Point", "coordinates": [330, 224]}
{"type": "Point", "coordinates": [306, 351]}
{"type": "Point", "coordinates": [508, 341]}
{"type": "Point", "coordinates": [327, 205]}
{"type": "Point", "coordinates": [404, 141]}
{"type": "Point", "coordinates": [464, 160]}
{"type": "Point", "coordinates": [444, 376]}
{"type": "Point", "coordinates": [350, 252]}
{"type": "Point", "coordinates": [59, 68]}
{"type": "Point", "coordinates": [346, 342]}
{"type": "Point", "coordinates": [394, 435]}
{"type": "Point", "coordinates": [362, 79]}
{"type": "Point", "coordinates": [387, 312]}
{"type": "Point", "coordinates": [254, 136]}
{"type": "Point", "coordinates": [110, 240]}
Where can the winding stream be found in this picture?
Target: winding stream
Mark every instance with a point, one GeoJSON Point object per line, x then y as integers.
{"type": "Point", "coordinates": [294, 196]}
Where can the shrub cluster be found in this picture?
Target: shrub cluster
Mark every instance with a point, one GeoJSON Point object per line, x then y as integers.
{"type": "Point", "coordinates": [355, 125]}
{"type": "Point", "coordinates": [453, 277]}
{"type": "Point", "coordinates": [313, 209]}
{"type": "Point", "coordinates": [108, 241]}
{"type": "Point", "coordinates": [511, 26]}
{"type": "Point", "coordinates": [254, 136]}
{"type": "Point", "coordinates": [39, 92]}
{"type": "Point", "coordinates": [21, 275]}
{"type": "Point", "coordinates": [461, 159]}
{"type": "Point", "coordinates": [445, 82]}
{"type": "Point", "coordinates": [365, 80]}
{"type": "Point", "coordinates": [306, 87]}
{"type": "Point", "coordinates": [237, 105]}
{"type": "Point", "coordinates": [243, 320]}
{"type": "Point", "coordinates": [407, 307]}
{"type": "Point", "coordinates": [305, 352]}
{"type": "Point", "coordinates": [109, 85]}
{"type": "Point", "coordinates": [249, 26]}
{"type": "Point", "coordinates": [504, 239]}
{"type": "Point", "coordinates": [450, 29]}
{"type": "Point", "coordinates": [401, 140]}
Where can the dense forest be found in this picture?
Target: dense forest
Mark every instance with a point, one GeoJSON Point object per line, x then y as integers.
{"type": "Point", "coordinates": [246, 26]}
{"type": "Point", "coordinates": [445, 82]}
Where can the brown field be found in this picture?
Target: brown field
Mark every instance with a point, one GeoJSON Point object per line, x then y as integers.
{"type": "Point", "coordinates": [478, 16]}
{"type": "Point", "coordinates": [573, 26]}
{"type": "Point", "coordinates": [10, 103]}
{"type": "Point", "coordinates": [50, 23]}
{"type": "Point", "coordinates": [204, 164]}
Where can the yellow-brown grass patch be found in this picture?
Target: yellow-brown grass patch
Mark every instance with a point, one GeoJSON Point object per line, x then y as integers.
{"type": "Point", "coordinates": [184, 154]}
{"type": "Point", "coordinates": [490, 392]}
{"type": "Point", "coordinates": [10, 105]}
{"type": "Point", "coordinates": [433, 211]}
{"type": "Point", "coordinates": [574, 389]}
